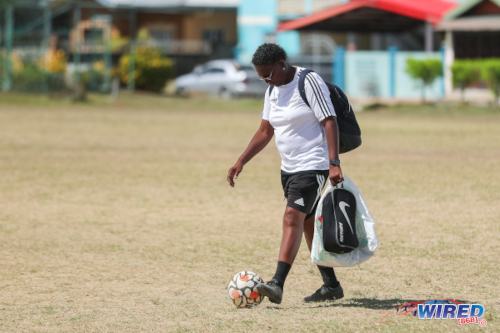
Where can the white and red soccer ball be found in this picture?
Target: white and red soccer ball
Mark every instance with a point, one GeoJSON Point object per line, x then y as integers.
{"type": "Point", "coordinates": [242, 289]}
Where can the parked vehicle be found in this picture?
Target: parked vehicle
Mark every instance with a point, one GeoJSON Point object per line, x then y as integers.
{"type": "Point", "coordinates": [225, 78]}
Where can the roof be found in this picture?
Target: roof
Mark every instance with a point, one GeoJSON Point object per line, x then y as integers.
{"type": "Point", "coordinates": [475, 23]}
{"type": "Point", "coordinates": [421, 10]}
{"type": "Point", "coordinates": [170, 3]}
{"type": "Point", "coordinates": [465, 7]}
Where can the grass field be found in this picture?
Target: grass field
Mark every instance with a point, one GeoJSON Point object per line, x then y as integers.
{"type": "Point", "coordinates": [116, 217]}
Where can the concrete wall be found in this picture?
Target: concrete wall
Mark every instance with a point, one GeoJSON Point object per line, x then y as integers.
{"type": "Point", "coordinates": [382, 74]}
{"type": "Point", "coordinates": [367, 74]}
{"type": "Point", "coordinates": [195, 23]}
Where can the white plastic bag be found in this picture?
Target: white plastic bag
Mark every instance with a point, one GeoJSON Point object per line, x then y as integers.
{"type": "Point", "coordinates": [365, 230]}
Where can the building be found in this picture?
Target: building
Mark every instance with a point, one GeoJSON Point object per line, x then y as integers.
{"type": "Point", "coordinates": [374, 39]}
{"type": "Point", "coordinates": [472, 31]}
{"type": "Point", "coordinates": [258, 22]}
{"type": "Point", "coordinates": [189, 31]}
{"type": "Point", "coordinates": [180, 27]}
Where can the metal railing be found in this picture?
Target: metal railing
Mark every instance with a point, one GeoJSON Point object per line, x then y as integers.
{"type": "Point", "coordinates": [323, 65]}
{"type": "Point", "coordinates": [179, 46]}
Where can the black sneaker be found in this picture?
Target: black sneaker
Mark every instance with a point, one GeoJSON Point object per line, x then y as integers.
{"type": "Point", "coordinates": [325, 294]}
{"type": "Point", "coordinates": [272, 289]}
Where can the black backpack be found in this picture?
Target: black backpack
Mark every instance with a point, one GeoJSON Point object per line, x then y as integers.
{"type": "Point", "coordinates": [349, 131]}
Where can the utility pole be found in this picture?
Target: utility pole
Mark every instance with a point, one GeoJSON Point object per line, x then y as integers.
{"type": "Point", "coordinates": [9, 30]}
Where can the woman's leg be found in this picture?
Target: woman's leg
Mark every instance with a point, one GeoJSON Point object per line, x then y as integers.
{"type": "Point", "coordinates": [293, 227]}
{"type": "Point", "coordinates": [309, 231]}
{"type": "Point", "coordinates": [327, 273]}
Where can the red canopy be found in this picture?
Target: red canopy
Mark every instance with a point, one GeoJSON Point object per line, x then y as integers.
{"type": "Point", "coordinates": [420, 10]}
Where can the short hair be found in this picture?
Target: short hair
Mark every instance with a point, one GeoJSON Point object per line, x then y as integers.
{"type": "Point", "coordinates": [268, 54]}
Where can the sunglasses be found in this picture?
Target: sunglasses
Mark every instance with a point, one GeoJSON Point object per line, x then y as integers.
{"type": "Point", "coordinates": [267, 78]}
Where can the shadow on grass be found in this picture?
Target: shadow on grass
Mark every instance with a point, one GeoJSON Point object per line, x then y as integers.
{"type": "Point", "coordinates": [367, 303]}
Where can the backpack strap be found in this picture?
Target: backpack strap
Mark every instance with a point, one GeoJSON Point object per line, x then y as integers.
{"type": "Point", "coordinates": [302, 85]}
{"type": "Point", "coordinates": [270, 90]}
{"type": "Point", "coordinates": [339, 100]}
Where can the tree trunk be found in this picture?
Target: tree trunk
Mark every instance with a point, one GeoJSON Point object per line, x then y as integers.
{"type": "Point", "coordinates": [423, 92]}
{"type": "Point", "coordinates": [462, 90]}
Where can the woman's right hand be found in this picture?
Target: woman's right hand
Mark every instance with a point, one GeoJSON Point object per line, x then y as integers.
{"type": "Point", "coordinates": [260, 139]}
{"type": "Point", "coordinates": [233, 173]}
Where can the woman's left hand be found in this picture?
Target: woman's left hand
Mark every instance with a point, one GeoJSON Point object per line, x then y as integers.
{"type": "Point", "coordinates": [336, 175]}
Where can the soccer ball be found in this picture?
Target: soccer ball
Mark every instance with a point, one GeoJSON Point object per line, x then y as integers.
{"type": "Point", "coordinates": [242, 289]}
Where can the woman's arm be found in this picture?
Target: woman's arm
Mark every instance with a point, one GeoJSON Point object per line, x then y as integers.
{"type": "Point", "coordinates": [261, 138]}
{"type": "Point", "coordinates": [332, 137]}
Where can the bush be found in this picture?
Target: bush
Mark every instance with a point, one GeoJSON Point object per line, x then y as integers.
{"type": "Point", "coordinates": [32, 79]}
{"type": "Point", "coordinates": [491, 74]}
{"type": "Point", "coordinates": [16, 65]}
{"type": "Point", "coordinates": [94, 79]}
{"type": "Point", "coordinates": [465, 73]}
{"type": "Point", "coordinates": [54, 61]}
{"type": "Point", "coordinates": [45, 75]}
{"type": "Point", "coordinates": [427, 71]}
{"type": "Point", "coordinates": [91, 80]}
{"type": "Point", "coordinates": [151, 69]}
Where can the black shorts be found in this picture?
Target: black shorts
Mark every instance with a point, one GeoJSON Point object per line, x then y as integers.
{"type": "Point", "coordinates": [303, 189]}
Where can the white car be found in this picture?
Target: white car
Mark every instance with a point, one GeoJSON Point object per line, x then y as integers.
{"type": "Point", "coordinates": [225, 78]}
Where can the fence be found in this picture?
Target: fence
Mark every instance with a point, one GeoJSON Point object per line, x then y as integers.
{"type": "Point", "coordinates": [46, 49]}
{"type": "Point", "coordinates": [373, 73]}
{"type": "Point", "coordinates": [323, 65]}
{"type": "Point", "coordinates": [383, 74]}
{"type": "Point", "coordinates": [32, 59]}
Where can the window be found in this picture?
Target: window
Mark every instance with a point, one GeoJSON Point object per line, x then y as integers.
{"type": "Point", "coordinates": [161, 34]}
{"type": "Point", "coordinates": [214, 36]}
{"type": "Point", "coordinates": [94, 35]}
{"type": "Point", "coordinates": [213, 70]}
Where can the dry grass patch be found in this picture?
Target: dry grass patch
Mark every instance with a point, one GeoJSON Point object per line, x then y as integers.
{"type": "Point", "coordinates": [116, 217]}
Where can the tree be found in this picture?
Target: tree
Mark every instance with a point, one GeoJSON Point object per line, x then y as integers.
{"type": "Point", "coordinates": [465, 73]}
{"type": "Point", "coordinates": [152, 70]}
{"type": "Point", "coordinates": [427, 71]}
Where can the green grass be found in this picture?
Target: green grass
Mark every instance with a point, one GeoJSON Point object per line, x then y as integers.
{"type": "Point", "coordinates": [441, 109]}
{"type": "Point", "coordinates": [116, 217]}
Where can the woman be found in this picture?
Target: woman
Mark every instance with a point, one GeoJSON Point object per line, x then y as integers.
{"type": "Point", "coordinates": [308, 142]}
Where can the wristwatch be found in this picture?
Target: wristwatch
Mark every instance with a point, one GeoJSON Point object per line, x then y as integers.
{"type": "Point", "coordinates": [335, 162]}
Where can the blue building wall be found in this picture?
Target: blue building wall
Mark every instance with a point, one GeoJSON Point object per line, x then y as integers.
{"type": "Point", "coordinates": [367, 73]}
{"type": "Point", "coordinates": [383, 74]}
{"type": "Point", "coordinates": [406, 87]}
{"type": "Point", "coordinates": [258, 19]}
{"type": "Point", "coordinates": [290, 41]}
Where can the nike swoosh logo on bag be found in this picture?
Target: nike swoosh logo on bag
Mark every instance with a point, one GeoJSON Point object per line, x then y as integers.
{"type": "Point", "coordinates": [342, 206]}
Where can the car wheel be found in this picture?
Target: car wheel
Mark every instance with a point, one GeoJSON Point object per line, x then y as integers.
{"type": "Point", "coordinates": [225, 94]}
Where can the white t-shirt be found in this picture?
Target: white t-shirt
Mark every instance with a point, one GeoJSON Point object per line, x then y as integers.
{"type": "Point", "coordinates": [300, 137]}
